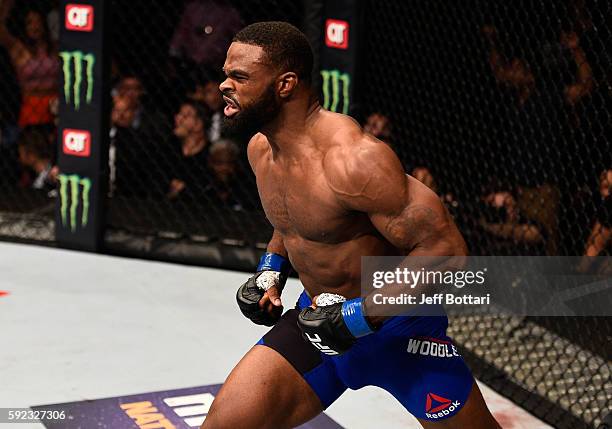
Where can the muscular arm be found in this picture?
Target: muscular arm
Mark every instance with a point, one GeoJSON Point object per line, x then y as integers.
{"type": "Point", "coordinates": [276, 245]}
{"type": "Point", "coordinates": [596, 243]}
{"type": "Point", "coordinates": [499, 64]}
{"type": "Point", "coordinates": [584, 76]}
{"type": "Point", "coordinates": [598, 239]}
{"type": "Point", "coordinates": [370, 179]}
{"type": "Point", "coordinates": [409, 215]}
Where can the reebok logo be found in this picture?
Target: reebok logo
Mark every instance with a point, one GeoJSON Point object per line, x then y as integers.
{"type": "Point", "coordinates": [437, 406]}
{"type": "Point", "coordinates": [76, 142]}
{"type": "Point", "coordinates": [336, 33]}
{"type": "Point", "coordinates": [79, 17]}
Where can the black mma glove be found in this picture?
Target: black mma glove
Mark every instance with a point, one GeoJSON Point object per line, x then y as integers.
{"type": "Point", "coordinates": [333, 327]}
{"type": "Point", "coordinates": [272, 270]}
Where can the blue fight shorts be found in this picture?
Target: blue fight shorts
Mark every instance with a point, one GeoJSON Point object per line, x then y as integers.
{"type": "Point", "coordinates": [409, 356]}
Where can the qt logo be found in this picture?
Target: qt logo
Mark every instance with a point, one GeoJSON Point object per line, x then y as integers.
{"type": "Point", "coordinates": [79, 17]}
{"type": "Point", "coordinates": [336, 34]}
{"type": "Point", "coordinates": [76, 142]}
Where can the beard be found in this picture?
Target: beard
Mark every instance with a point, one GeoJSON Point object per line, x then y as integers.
{"type": "Point", "coordinates": [252, 118]}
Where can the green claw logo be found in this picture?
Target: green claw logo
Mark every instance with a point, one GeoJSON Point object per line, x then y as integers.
{"type": "Point", "coordinates": [333, 94]}
{"type": "Point", "coordinates": [74, 190]}
{"type": "Point", "coordinates": [78, 62]}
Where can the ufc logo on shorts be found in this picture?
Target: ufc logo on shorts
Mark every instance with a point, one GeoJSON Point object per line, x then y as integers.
{"type": "Point", "coordinates": [79, 17]}
{"type": "Point", "coordinates": [76, 142]}
{"type": "Point", "coordinates": [316, 341]}
{"type": "Point", "coordinates": [336, 34]}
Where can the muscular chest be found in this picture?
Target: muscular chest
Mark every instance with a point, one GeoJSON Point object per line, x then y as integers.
{"type": "Point", "coordinates": [298, 201]}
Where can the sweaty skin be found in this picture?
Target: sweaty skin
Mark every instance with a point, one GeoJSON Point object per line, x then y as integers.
{"type": "Point", "coordinates": [333, 194]}
{"type": "Point", "coordinates": [343, 196]}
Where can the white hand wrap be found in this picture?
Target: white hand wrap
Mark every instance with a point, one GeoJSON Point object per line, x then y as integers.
{"type": "Point", "coordinates": [267, 279]}
{"type": "Point", "coordinates": [328, 299]}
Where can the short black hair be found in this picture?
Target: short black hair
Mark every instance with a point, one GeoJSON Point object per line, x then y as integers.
{"type": "Point", "coordinates": [201, 110]}
{"type": "Point", "coordinates": [286, 47]}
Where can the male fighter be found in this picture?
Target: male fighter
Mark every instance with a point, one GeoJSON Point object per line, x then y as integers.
{"type": "Point", "coordinates": [333, 194]}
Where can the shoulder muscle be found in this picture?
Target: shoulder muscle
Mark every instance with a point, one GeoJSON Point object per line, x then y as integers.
{"type": "Point", "coordinates": [366, 175]}
{"type": "Point", "coordinates": [256, 149]}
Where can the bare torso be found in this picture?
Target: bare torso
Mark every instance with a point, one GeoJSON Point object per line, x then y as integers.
{"type": "Point", "coordinates": [324, 239]}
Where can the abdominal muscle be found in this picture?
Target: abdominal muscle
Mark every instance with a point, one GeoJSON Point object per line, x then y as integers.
{"type": "Point", "coordinates": [334, 267]}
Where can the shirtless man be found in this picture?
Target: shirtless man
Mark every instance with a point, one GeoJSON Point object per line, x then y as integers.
{"type": "Point", "coordinates": [333, 194]}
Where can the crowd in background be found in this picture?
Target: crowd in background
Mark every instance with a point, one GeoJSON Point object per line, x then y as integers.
{"type": "Point", "coordinates": [166, 141]}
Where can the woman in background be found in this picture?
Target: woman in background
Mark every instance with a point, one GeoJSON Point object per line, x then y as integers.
{"type": "Point", "coordinates": [34, 57]}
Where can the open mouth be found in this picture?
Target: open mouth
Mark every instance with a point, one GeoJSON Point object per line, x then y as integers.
{"type": "Point", "coordinates": [231, 107]}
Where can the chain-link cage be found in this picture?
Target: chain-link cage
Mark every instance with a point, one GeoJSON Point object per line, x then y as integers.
{"type": "Point", "coordinates": [503, 108]}
{"type": "Point", "coordinates": [29, 67]}
{"type": "Point", "coordinates": [173, 173]}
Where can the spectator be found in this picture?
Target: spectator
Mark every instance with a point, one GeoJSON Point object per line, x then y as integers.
{"type": "Point", "coordinates": [189, 173]}
{"type": "Point", "coordinates": [518, 121]}
{"type": "Point", "coordinates": [583, 83]}
{"type": "Point", "coordinates": [533, 116]}
{"type": "Point", "coordinates": [507, 231]}
{"type": "Point", "coordinates": [205, 31]}
{"type": "Point", "coordinates": [53, 20]}
{"type": "Point", "coordinates": [226, 188]}
{"type": "Point", "coordinates": [425, 176]}
{"type": "Point", "coordinates": [135, 157]}
{"type": "Point", "coordinates": [207, 92]}
{"type": "Point", "coordinates": [36, 64]}
{"type": "Point", "coordinates": [600, 237]}
{"type": "Point", "coordinates": [130, 86]}
{"type": "Point", "coordinates": [379, 126]}
{"type": "Point", "coordinates": [35, 153]}
{"type": "Point", "coordinates": [121, 148]}
{"type": "Point", "coordinates": [124, 112]}
{"type": "Point", "coordinates": [142, 118]}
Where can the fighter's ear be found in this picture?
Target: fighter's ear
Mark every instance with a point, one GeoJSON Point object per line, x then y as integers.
{"type": "Point", "coordinates": [286, 84]}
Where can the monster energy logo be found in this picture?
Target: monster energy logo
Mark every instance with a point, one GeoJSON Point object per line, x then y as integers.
{"type": "Point", "coordinates": [74, 190]}
{"type": "Point", "coordinates": [332, 93]}
{"type": "Point", "coordinates": [79, 62]}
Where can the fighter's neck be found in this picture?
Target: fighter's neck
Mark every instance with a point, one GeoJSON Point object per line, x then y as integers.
{"type": "Point", "coordinates": [291, 125]}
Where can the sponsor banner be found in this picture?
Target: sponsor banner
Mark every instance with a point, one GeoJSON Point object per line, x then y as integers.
{"type": "Point", "coordinates": [565, 286]}
{"type": "Point", "coordinates": [79, 17]}
{"type": "Point", "coordinates": [180, 409]}
{"type": "Point", "coordinates": [83, 134]}
{"type": "Point", "coordinates": [338, 55]}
